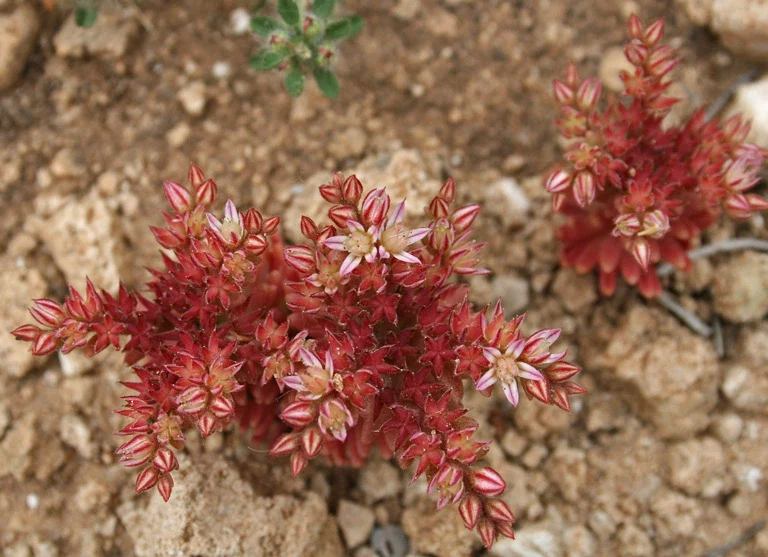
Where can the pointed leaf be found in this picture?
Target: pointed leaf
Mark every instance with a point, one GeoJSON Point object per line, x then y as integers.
{"type": "Point", "coordinates": [85, 16]}
{"type": "Point", "coordinates": [266, 60]}
{"type": "Point", "coordinates": [294, 83]}
{"type": "Point", "coordinates": [289, 11]}
{"type": "Point", "coordinates": [344, 28]}
{"type": "Point", "coordinates": [323, 8]}
{"type": "Point", "coordinates": [327, 83]}
{"type": "Point", "coordinates": [263, 25]}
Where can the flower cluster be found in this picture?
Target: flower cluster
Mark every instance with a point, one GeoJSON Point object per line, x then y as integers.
{"type": "Point", "coordinates": [636, 192]}
{"type": "Point", "coordinates": [362, 338]}
{"type": "Point", "coordinates": [303, 43]}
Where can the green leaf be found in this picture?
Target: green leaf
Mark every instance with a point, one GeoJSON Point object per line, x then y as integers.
{"type": "Point", "coordinates": [86, 16]}
{"type": "Point", "coordinates": [344, 28]}
{"type": "Point", "coordinates": [263, 25]}
{"type": "Point", "coordinates": [289, 11]}
{"type": "Point", "coordinates": [294, 83]}
{"type": "Point", "coordinates": [323, 8]}
{"type": "Point", "coordinates": [327, 83]}
{"type": "Point", "coordinates": [266, 60]}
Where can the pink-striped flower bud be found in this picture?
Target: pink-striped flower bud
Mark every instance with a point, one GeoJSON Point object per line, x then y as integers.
{"type": "Point", "coordinates": [655, 224]}
{"type": "Point", "coordinates": [487, 481]}
{"type": "Point", "coordinates": [661, 61]}
{"type": "Point", "coordinates": [627, 225]}
{"type": "Point", "coordinates": [737, 206]}
{"type": "Point", "coordinates": [497, 510]}
{"type": "Point", "coordinates": [654, 32]}
{"type": "Point", "coordinates": [206, 424]}
{"type": "Point", "coordinates": [284, 445]}
{"type": "Point", "coordinates": [256, 244]}
{"type": "Point", "coordinates": [195, 175]}
{"type": "Point", "coordinates": [375, 207]}
{"type": "Point", "coordinates": [469, 509]}
{"type": "Point", "coordinates": [558, 181]}
{"type": "Point", "coordinates": [301, 258]}
{"type": "Point", "coordinates": [641, 251]}
{"type": "Point", "coordinates": [222, 407]}
{"type": "Point", "coordinates": [506, 529]}
{"type": "Point", "coordinates": [571, 76]}
{"type": "Point", "coordinates": [334, 419]}
{"type": "Point", "coordinates": [331, 193]}
{"type": "Point", "coordinates": [206, 192]}
{"type": "Point", "coordinates": [636, 53]}
{"type": "Point", "coordinates": [178, 197]}
{"type": "Point", "coordinates": [757, 203]}
{"type": "Point", "coordinates": [563, 93]}
{"type": "Point", "coordinates": [341, 214]}
{"type": "Point", "coordinates": [487, 530]}
{"type": "Point", "coordinates": [270, 225]}
{"type": "Point", "coordinates": [463, 218]}
{"type": "Point", "coordinates": [253, 221]}
{"type": "Point", "coordinates": [192, 400]}
{"type": "Point", "coordinates": [298, 413]}
{"type": "Point", "coordinates": [584, 188]}
{"type": "Point", "coordinates": [448, 190]}
{"type": "Point", "coordinates": [308, 228]}
{"type": "Point", "coordinates": [166, 238]}
{"type": "Point", "coordinates": [47, 312]}
{"type": "Point", "coordinates": [165, 486]}
{"type": "Point", "coordinates": [27, 333]}
{"type": "Point", "coordinates": [558, 200]}
{"type": "Point", "coordinates": [165, 461]}
{"type": "Point", "coordinates": [311, 442]}
{"type": "Point", "coordinates": [635, 27]}
{"type": "Point", "coordinates": [438, 208]}
{"type": "Point", "coordinates": [298, 463]}
{"type": "Point", "coordinates": [561, 371]}
{"type": "Point", "coordinates": [137, 451]}
{"type": "Point", "coordinates": [147, 479]}
{"type": "Point", "coordinates": [588, 93]}
{"type": "Point", "coordinates": [352, 189]}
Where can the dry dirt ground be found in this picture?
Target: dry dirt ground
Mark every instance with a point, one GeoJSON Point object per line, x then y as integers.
{"type": "Point", "coordinates": [666, 455]}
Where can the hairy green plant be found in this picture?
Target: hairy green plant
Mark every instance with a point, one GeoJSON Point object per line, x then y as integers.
{"type": "Point", "coordinates": [303, 42]}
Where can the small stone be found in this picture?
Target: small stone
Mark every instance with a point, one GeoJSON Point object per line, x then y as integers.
{"type": "Point", "coordinates": [751, 102]}
{"type": "Point", "coordinates": [507, 201]}
{"type": "Point", "coordinates": [221, 70]}
{"type": "Point", "coordinates": [693, 465]}
{"type": "Point", "coordinates": [605, 412]}
{"type": "Point", "coordinates": [513, 443]}
{"type": "Point", "coordinates": [740, 289]}
{"type": "Point", "coordinates": [178, 135]}
{"type": "Point", "coordinates": [75, 433]}
{"type": "Point", "coordinates": [193, 98]}
{"type": "Point", "coordinates": [513, 163]}
{"type": "Point", "coordinates": [746, 389]}
{"type": "Point", "coordinates": [5, 419]}
{"type": "Point", "coordinates": [567, 469]}
{"type": "Point", "coordinates": [602, 524]}
{"type": "Point", "coordinates": [513, 292]}
{"type": "Point", "coordinates": [535, 455]}
{"type": "Point", "coordinates": [675, 515]}
{"type": "Point", "coordinates": [16, 447]}
{"type": "Point", "coordinates": [92, 495]}
{"type": "Point", "coordinates": [728, 427]}
{"type": "Point", "coordinates": [407, 9]}
{"type": "Point", "coordinates": [634, 542]}
{"type": "Point", "coordinates": [379, 480]}
{"type": "Point", "coordinates": [75, 363]}
{"type": "Point", "coordinates": [18, 33]}
{"type": "Point", "coordinates": [109, 38]}
{"type": "Point", "coordinates": [355, 522]}
{"type": "Point", "coordinates": [437, 532]}
{"type": "Point", "coordinates": [579, 542]}
{"type": "Point", "coordinates": [68, 164]}
{"type": "Point", "coordinates": [530, 541]}
{"type": "Point", "coordinates": [612, 63]}
{"type": "Point", "coordinates": [576, 292]}
{"type": "Point", "coordinates": [350, 142]}
{"type": "Point", "coordinates": [240, 21]}
{"type": "Point", "coordinates": [389, 541]}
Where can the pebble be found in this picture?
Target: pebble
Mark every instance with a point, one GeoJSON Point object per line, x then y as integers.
{"type": "Point", "coordinates": [68, 164]}
{"type": "Point", "coordinates": [178, 135]}
{"type": "Point", "coordinates": [355, 522]}
{"type": "Point", "coordinates": [18, 33]}
{"type": "Point", "coordinates": [507, 201]}
{"type": "Point", "coordinates": [193, 98]}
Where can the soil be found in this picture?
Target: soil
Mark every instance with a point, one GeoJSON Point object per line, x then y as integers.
{"type": "Point", "coordinates": [666, 455]}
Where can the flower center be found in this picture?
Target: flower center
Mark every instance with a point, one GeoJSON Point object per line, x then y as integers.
{"type": "Point", "coordinates": [395, 239]}
{"type": "Point", "coordinates": [359, 243]}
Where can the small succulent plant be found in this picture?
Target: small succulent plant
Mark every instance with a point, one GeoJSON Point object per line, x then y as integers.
{"type": "Point", "coordinates": [636, 192]}
{"type": "Point", "coordinates": [303, 42]}
{"type": "Point", "coordinates": [363, 339]}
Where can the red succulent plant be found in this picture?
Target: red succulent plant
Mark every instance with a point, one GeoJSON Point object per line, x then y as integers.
{"type": "Point", "coordinates": [362, 338]}
{"type": "Point", "coordinates": [636, 192]}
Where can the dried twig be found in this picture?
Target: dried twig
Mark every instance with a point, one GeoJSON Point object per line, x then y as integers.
{"type": "Point", "coordinates": [694, 322]}
{"type": "Point", "coordinates": [748, 534]}
{"type": "Point", "coordinates": [734, 244]}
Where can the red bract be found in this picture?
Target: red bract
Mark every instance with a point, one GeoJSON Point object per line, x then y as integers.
{"type": "Point", "coordinates": [362, 338]}
{"type": "Point", "coordinates": [636, 192]}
